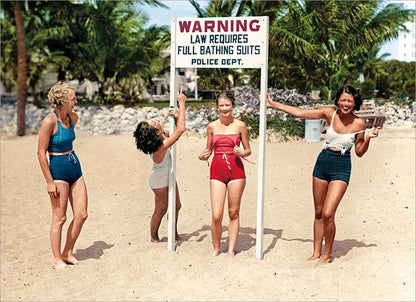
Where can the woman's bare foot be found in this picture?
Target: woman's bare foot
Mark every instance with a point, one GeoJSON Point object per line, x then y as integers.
{"type": "Point", "coordinates": [215, 253]}
{"type": "Point", "coordinates": [231, 254]}
{"type": "Point", "coordinates": [155, 240]}
{"type": "Point", "coordinates": [324, 259]}
{"type": "Point", "coordinates": [69, 258]}
{"type": "Point", "coordinates": [313, 257]}
{"type": "Point", "coordinates": [59, 265]}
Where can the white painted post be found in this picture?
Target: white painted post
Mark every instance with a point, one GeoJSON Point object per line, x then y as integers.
{"type": "Point", "coordinates": [262, 162]}
{"type": "Point", "coordinates": [172, 168]}
{"type": "Point", "coordinates": [262, 150]}
{"type": "Point", "coordinates": [196, 83]}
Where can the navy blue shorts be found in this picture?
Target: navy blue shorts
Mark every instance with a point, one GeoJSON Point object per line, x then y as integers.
{"type": "Point", "coordinates": [65, 167]}
{"type": "Point", "coordinates": [332, 165]}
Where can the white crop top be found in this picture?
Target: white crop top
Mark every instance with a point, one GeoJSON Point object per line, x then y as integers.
{"type": "Point", "coordinates": [341, 141]}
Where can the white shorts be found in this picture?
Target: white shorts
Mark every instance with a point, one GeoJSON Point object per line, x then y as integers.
{"type": "Point", "coordinates": [158, 180]}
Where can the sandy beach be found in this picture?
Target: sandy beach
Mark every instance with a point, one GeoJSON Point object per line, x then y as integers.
{"type": "Point", "coordinates": [374, 251]}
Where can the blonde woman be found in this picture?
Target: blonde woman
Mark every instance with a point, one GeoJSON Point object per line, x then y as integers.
{"type": "Point", "coordinates": [224, 136]}
{"type": "Point", "coordinates": [62, 173]}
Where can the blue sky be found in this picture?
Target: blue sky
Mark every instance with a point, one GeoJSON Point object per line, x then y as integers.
{"type": "Point", "coordinates": [183, 9]}
{"type": "Point", "coordinates": [177, 9]}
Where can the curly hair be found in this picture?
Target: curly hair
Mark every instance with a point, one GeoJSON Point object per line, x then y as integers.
{"type": "Point", "coordinates": [146, 138]}
{"type": "Point", "coordinates": [351, 91]}
{"type": "Point", "coordinates": [226, 94]}
{"type": "Point", "coordinates": [59, 94]}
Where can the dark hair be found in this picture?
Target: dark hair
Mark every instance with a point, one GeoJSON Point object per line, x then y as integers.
{"type": "Point", "coordinates": [226, 94]}
{"type": "Point", "coordinates": [146, 138]}
{"type": "Point", "coordinates": [351, 91]}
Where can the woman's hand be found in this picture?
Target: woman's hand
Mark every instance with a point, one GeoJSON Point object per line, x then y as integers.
{"type": "Point", "coordinates": [373, 133]}
{"type": "Point", "coordinates": [270, 102]}
{"type": "Point", "coordinates": [174, 112]}
{"type": "Point", "coordinates": [53, 190]}
{"type": "Point", "coordinates": [238, 151]}
{"type": "Point", "coordinates": [181, 97]}
{"type": "Point", "coordinates": [205, 154]}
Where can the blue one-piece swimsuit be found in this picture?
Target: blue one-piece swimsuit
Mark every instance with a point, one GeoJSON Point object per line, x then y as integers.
{"type": "Point", "coordinates": [64, 167]}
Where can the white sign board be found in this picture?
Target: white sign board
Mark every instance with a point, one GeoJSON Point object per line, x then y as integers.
{"type": "Point", "coordinates": [232, 42]}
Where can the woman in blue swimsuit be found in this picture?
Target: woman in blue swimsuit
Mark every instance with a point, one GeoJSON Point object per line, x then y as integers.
{"type": "Point", "coordinates": [63, 172]}
{"type": "Point", "coordinates": [333, 167]}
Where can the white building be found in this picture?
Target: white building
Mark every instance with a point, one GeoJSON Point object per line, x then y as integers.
{"type": "Point", "coordinates": [407, 40]}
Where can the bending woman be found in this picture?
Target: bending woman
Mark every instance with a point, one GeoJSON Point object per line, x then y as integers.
{"type": "Point", "coordinates": [332, 170]}
{"type": "Point", "coordinates": [227, 170]}
{"type": "Point", "coordinates": [63, 174]}
{"type": "Point", "coordinates": [152, 139]}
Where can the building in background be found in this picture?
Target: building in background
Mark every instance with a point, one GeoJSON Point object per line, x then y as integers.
{"type": "Point", "coordinates": [407, 40]}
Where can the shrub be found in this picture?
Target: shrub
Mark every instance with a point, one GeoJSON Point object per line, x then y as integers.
{"type": "Point", "coordinates": [289, 127]}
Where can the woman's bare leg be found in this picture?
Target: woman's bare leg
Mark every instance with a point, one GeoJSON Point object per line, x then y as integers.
{"type": "Point", "coordinates": [218, 192]}
{"type": "Point", "coordinates": [178, 207]}
{"type": "Point", "coordinates": [59, 206]}
{"type": "Point", "coordinates": [161, 207]}
{"type": "Point", "coordinates": [336, 190]}
{"type": "Point", "coordinates": [235, 192]}
{"type": "Point", "coordinates": [79, 202]}
{"type": "Point", "coordinates": [320, 188]}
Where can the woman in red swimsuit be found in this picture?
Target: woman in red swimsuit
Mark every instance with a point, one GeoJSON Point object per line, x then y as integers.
{"type": "Point", "coordinates": [227, 170]}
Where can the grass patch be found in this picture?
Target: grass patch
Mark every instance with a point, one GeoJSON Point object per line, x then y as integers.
{"type": "Point", "coordinates": [289, 127]}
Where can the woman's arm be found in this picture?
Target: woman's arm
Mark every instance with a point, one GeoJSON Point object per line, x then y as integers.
{"type": "Point", "coordinates": [362, 142]}
{"type": "Point", "coordinates": [204, 155]}
{"type": "Point", "coordinates": [180, 123]}
{"type": "Point", "coordinates": [45, 132]}
{"type": "Point", "coordinates": [320, 113]}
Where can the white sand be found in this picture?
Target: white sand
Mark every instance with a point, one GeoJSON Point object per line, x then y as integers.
{"type": "Point", "coordinates": [374, 252]}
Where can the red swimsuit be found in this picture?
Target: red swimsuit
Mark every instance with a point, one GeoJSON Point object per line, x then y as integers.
{"type": "Point", "coordinates": [226, 166]}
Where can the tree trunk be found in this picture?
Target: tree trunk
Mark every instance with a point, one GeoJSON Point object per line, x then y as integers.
{"type": "Point", "coordinates": [22, 69]}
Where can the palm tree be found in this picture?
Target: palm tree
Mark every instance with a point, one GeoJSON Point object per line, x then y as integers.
{"type": "Point", "coordinates": [315, 38]}
{"type": "Point", "coordinates": [21, 68]}
{"type": "Point", "coordinates": [99, 41]}
{"type": "Point", "coordinates": [222, 8]}
{"type": "Point", "coordinates": [117, 45]}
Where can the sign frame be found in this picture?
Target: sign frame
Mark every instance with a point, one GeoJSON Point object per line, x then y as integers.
{"type": "Point", "coordinates": [234, 32]}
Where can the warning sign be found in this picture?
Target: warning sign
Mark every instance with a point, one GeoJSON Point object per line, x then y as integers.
{"type": "Point", "coordinates": [232, 42]}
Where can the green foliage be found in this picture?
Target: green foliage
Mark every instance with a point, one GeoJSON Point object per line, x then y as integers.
{"type": "Point", "coordinates": [8, 47]}
{"type": "Point", "coordinates": [289, 127]}
{"type": "Point", "coordinates": [398, 79]}
{"type": "Point", "coordinates": [103, 41]}
{"type": "Point", "coordinates": [314, 45]}
{"type": "Point", "coordinates": [367, 89]}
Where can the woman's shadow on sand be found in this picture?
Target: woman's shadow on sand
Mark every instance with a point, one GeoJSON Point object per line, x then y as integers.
{"type": "Point", "coordinates": [247, 240]}
{"type": "Point", "coordinates": [341, 247]}
{"type": "Point", "coordinates": [95, 251]}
